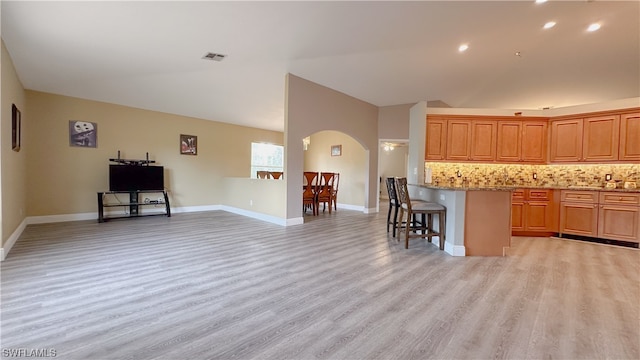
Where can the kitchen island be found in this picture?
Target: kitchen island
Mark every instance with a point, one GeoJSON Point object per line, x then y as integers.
{"type": "Point", "coordinates": [478, 218]}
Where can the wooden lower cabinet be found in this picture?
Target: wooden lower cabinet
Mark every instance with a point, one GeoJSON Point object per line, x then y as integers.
{"type": "Point", "coordinates": [579, 219]}
{"type": "Point", "coordinates": [533, 210]}
{"type": "Point", "coordinates": [604, 214]}
{"type": "Point", "coordinates": [539, 216]}
{"type": "Point", "coordinates": [618, 222]}
{"type": "Point", "coordinates": [517, 216]}
{"type": "Point", "coordinates": [619, 216]}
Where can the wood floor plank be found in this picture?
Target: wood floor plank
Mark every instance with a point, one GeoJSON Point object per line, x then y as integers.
{"type": "Point", "coordinates": [215, 285]}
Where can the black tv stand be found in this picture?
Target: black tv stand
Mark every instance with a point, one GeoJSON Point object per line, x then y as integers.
{"type": "Point", "coordinates": [133, 204]}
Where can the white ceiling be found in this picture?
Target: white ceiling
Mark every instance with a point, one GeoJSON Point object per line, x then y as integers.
{"type": "Point", "coordinates": [149, 54]}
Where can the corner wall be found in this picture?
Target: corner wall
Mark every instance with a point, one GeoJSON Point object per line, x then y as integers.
{"type": "Point", "coordinates": [13, 188]}
{"type": "Point", "coordinates": [310, 108]}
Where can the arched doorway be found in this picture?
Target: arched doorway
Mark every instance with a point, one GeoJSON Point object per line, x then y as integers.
{"type": "Point", "coordinates": [350, 162]}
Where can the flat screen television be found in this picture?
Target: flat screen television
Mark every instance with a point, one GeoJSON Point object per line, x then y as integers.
{"type": "Point", "coordinates": [134, 177]}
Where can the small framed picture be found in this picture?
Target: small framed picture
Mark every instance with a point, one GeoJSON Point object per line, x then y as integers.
{"type": "Point", "coordinates": [336, 150]}
{"type": "Point", "coordinates": [188, 145]}
{"type": "Point", "coordinates": [83, 133]}
{"type": "Point", "coordinates": [16, 124]}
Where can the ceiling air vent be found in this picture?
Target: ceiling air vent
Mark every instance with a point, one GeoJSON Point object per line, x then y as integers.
{"type": "Point", "coordinates": [214, 56]}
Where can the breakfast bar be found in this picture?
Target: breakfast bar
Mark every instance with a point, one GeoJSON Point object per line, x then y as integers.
{"type": "Point", "coordinates": [478, 218]}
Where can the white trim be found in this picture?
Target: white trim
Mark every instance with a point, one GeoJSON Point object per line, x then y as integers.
{"type": "Point", "coordinates": [61, 218]}
{"type": "Point", "coordinates": [4, 251]}
{"type": "Point", "coordinates": [186, 209]}
{"type": "Point", "coordinates": [350, 207]}
{"type": "Point", "coordinates": [370, 211]}
{"type": "Point", "coordinates": [454, 250]}
{"type": "Point", "coordinates": [255, 215]}
{"type": "Point", "coordinates": [295, 221]}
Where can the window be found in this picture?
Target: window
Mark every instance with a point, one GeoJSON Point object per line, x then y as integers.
{"type": "Point", "coordinates": [266, 157]}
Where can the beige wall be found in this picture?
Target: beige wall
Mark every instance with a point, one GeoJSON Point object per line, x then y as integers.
{"type": "Point", "coordinates": [393, 163]}
{"type": "Point", "coordinates": [263, 196]}
{"type": "Point", "coordinates": [393, 121]}
{"type": "Point", "coordinates": [351, 164]}
{"type": "Point", "coordinates": [64, 180]}
{"type": "Point", "coordinates": [310, 108]}
{"type": "Point", "coordinates": [13, 189]}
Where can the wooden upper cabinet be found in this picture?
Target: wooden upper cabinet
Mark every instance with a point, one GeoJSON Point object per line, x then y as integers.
{"type": "Point", "coordinates": [534, 141]}
{"type": "Point", "coordinates": [509, 141]}
{"type": "Point", "coordinates": [436, 139]}
{"type": "Point", "coordinates": [601, 138]}
{"type": "Point", "coordinates": [607, 136]}
{"type": "Point", "coordinates": [458, 140]}
{"type": "Point", "coordinates": [566, 140]}
{"type": "Point", "coordinates": [629, 149]}
{"type": "Point", "coordinates": [522, 141]}
{"type": "Point", "coordinates": [483, 140]}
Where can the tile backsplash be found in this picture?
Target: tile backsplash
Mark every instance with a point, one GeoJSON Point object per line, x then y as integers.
{"type": "Point", "coordinates": [483, 175]}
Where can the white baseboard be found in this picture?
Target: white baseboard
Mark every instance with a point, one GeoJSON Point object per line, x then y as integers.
{"type": "Point", "coordinates": [186, 209]}
{"type": "Point", "coordinates": [295, 221]}
{"type": "Point", "coordinates": [4, 251]}
{"type": "Point", "coordinates": [370, 211]}
{"type": "Point", "coordinates": [350, 207]}
{"type": "Point", "coordinates": [61, 218]}
{"type": "Point", "coordinates": [255, 215]}
{"type": "Point", "coordinates": [454, 250]}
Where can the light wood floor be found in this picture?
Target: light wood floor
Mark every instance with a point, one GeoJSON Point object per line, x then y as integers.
{"type": "Point", "coordinates": [216, 285]}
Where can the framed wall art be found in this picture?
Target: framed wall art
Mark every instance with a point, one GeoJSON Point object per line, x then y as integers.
{"type": "Point", "coordinates": [336, 150]}
{"type": "Point", "coordinates": [83, 134]}
{"type": "Point", "coordinates": [188, 145]}
{"type": "Point", "coordinates": [16, 127]}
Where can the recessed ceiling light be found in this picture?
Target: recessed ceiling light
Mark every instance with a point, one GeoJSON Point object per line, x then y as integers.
{"type": "Point", "coordinates": [549, 25]}
{"type": "Point", "coordinates": [463, 47]}
{"type": "Point", "coordinates": [540, 1]}
{"type": "Point", "coordinates": [593, 27]}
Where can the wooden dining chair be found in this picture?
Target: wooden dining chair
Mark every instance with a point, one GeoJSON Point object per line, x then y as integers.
{"type": "Point", "coordinates": [424, 228]}
{"type": "Point", "coordinates": [325, 195]}
{"type": "Point", "coordinates": [275, 174]}
{"type": "Point", "coordinates": [334, 192]}
{"type": "Point", "coordinates": [309, 192]}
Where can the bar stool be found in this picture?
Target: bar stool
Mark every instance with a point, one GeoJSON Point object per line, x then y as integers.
{"type": "Point", "coordinates": [425, 209]}
{"type": "Point", "coordinates": [394, 205]}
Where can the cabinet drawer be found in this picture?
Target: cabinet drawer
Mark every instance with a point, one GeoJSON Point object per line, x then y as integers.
{"type": "Point", "coordinates": [619, 198]}
{"type": "Point", "coordinates": [539, 194]}
{"type": "Point", "coordinates": [579, 196]}
{"type": "Point", "coordinates": [517, 195]}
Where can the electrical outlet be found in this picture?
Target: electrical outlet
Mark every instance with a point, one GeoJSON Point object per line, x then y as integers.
{"type": "Point", "coordinates": [442, 197]}
{"type": "Point", "coordinates": [535, 176]}
{"type": "Point", "coordinates": [608, 177]}
{"type": "Point", "coordinates": [420, 192]}
{"type": "Point", "coordinates": [250, 202]}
